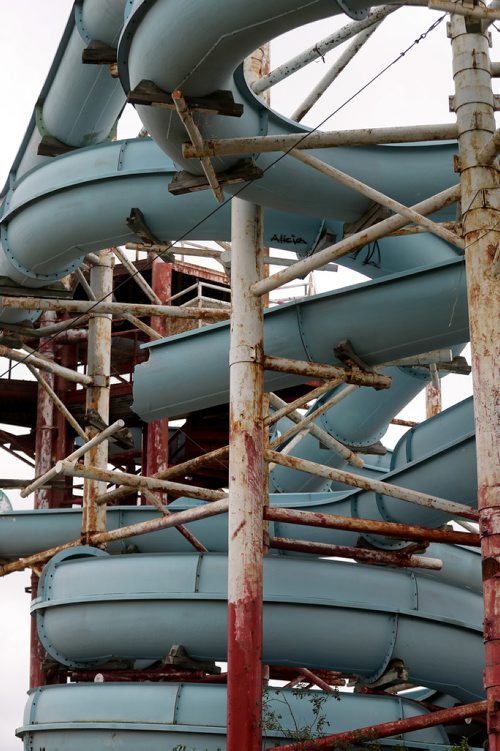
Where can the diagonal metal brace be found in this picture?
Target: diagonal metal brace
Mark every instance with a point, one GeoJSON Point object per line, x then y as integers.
{"type": "Point", "coordinates": [345, 353]}
{"type": "Point", "coordinates": [197, 140]}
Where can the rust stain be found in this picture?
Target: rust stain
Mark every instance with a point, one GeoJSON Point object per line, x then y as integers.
{"type": "Point", "coordinates": [491, 250]}
{"type": "Point", "coordinates": [490, 568]}
{"type": "Point", "coordinates": [238, 529]}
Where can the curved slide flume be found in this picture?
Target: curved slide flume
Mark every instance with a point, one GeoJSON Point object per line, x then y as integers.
{"type": "Point", "coordinates": [358, 626]}
{"type": "Point", "coordinates": [400, 315]}
{"type": "Point", "coordinates": [79, 104]}
{"type": "Point", "coordinates": [194, 717]}
{"type": "Point", "coordinates": [373, 410]}
{"type": "Point", "coordinates": [79, 203]}
{"type": "Point", "coordinates": [150, 49]}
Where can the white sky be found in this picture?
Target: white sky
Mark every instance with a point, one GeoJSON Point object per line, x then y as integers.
{"type": "Point", "coordinates": [414, 91]}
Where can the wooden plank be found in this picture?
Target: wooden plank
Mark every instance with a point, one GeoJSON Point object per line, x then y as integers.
{"type": "Point", "coordinates": [218, 103]}
{"type": "Point", "coordinates": [185, 182]}
{"type": "Point", "coordinates": [98, 53]}
{"type": "Point", "coordinates": [50, 146]}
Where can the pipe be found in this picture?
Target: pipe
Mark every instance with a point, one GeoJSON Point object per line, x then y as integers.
{"type": "Point", "coordinates": [383, 730]}
{"type": "Point", "coordinates": [474, 99]}
{"type": "Point", "coordinates": [246, 480]}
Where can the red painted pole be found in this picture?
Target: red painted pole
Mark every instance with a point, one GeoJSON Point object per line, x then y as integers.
{"type": "Point", "coordinates": [246, 485]}
{"type": "Point", "coordinates": [157, 430]}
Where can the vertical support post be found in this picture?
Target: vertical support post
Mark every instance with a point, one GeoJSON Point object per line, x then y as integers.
{"type": "Point", "coordinates": [157, 430]}
{"type": "Point", "coordinates": [99, 365]}
{"type": "Point", "coordinates": [246, 484]}
{"type": "Point", "coordinates": [44, 460]}
{"type": "Point", "coordinates": [480, 183]}
{"type": "Point", "coordinates": [433, 401]}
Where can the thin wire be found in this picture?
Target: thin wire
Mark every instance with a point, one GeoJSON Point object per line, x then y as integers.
{"type": "Point", "coordinates": [220, 206]}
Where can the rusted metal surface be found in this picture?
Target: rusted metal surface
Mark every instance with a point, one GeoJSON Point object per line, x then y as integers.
{"type": "Point", "coordinates": [287, 673]}
{"type": "Point", "coordinates": [486, 14]}
{"type": "Point", "coordinates": [404, 423]}
{"type": "Point", "coordinates": [45, 443]}
{"type": "Point", "coordinates": [157, 430]}
{"type": "Point", "coordinates": [317, 140]}
{"type": "Point", "coordinates": [98, 474]}
{"type": "Point", "coordinates": [301, 401]}
{"type": "Point", "coordinates": [433, 400]}
{"type": "Point", "coordinates": [325, 438]}
{"type": "Point", "coordinates": [113, 308]}
{"type": "Point", "coordinates": [387, 529]}
{"type": "Point", "coordinates": [474, 104]}
{"type": "Point", "coordinates": [316, 680]}
{"type": "Point", "coordinates": [490, 150]}
{"type": "Point", "coordinates": [353, 242]}
{"type": "Point", "coordinates": [37, 653]}
{"type": "Point", "coordinates": [97, 398]}
{"type": "Point", "coordinates": [354, 376]}
{"type": "Point", "coordinates": [45, 438]}
{"type": "Point", "coordinates": [385, 488]}
{"type": "Point", "coordinates": [194, 134]}
{"type": "Point", "coordinates": [246, 484]}
{"type": "Point", "coordinates": [184, 531]}
{"type": "Point", "coordinates": [58, 403]}
{"type": "Point", "coordinates": [142, 528]}
{"type": "Point", "coordinates": [137, 276]}
{"type": "Point", "coordinates": [388, 729]}
{"type": "Point", "coordinates": [163, 675]}
{"type": "Point", "coordinates": [400, 560]}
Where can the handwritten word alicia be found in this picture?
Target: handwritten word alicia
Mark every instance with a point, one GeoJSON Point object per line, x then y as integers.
{"type": "Point", "coordinates": [288, 239]}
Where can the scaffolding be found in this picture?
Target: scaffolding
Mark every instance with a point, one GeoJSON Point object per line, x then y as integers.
{"type": "Point", "coordinates": [83, 368]}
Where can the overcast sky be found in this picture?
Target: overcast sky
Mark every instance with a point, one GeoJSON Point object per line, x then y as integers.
{"type": "Point", "coordinates": [414, 91]}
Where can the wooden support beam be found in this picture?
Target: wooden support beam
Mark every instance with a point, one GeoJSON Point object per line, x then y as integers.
{"type": "Point", "coordinates": [242, 172]}
{"type": "Point", "coordinates": [217, 103]}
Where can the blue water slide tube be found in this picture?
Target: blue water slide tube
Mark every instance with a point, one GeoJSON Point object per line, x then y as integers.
{"type": "Point", "coordinates": [190, 716]}
{"type": "Point", "coordinates": [317, 613]}
{"type": "Point", "coordinates": [78, 104]}
{"type": "Point", "coordinates": [153, 31]}
{"type": "Point", "coordinates": [373, 412]}
{"type": "Point", "coordinates": [53, 215]}
{"type": "Point", "coordinates": [404, 314]}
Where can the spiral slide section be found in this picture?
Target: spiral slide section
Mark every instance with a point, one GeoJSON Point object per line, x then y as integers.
{"type": "Point", "coordinates": [318, 613]}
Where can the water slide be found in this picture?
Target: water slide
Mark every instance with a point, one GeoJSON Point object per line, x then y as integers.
{"type": "Point", "coordinates": [56, 210]}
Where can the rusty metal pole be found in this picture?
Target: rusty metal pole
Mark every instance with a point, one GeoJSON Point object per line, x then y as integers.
{"type": "Point", "coordinates": [433, 400]}
{"type": "Point", "coordinates": [44, 458]}
{"type": "Point", "coordinates": [246, 484]}
{"type": "Point", "coordinates": [480, 184]}
{"type": "Point", "coordinates": [97, 400]}
{"type": "Point", "coordinates": [157, 430]}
